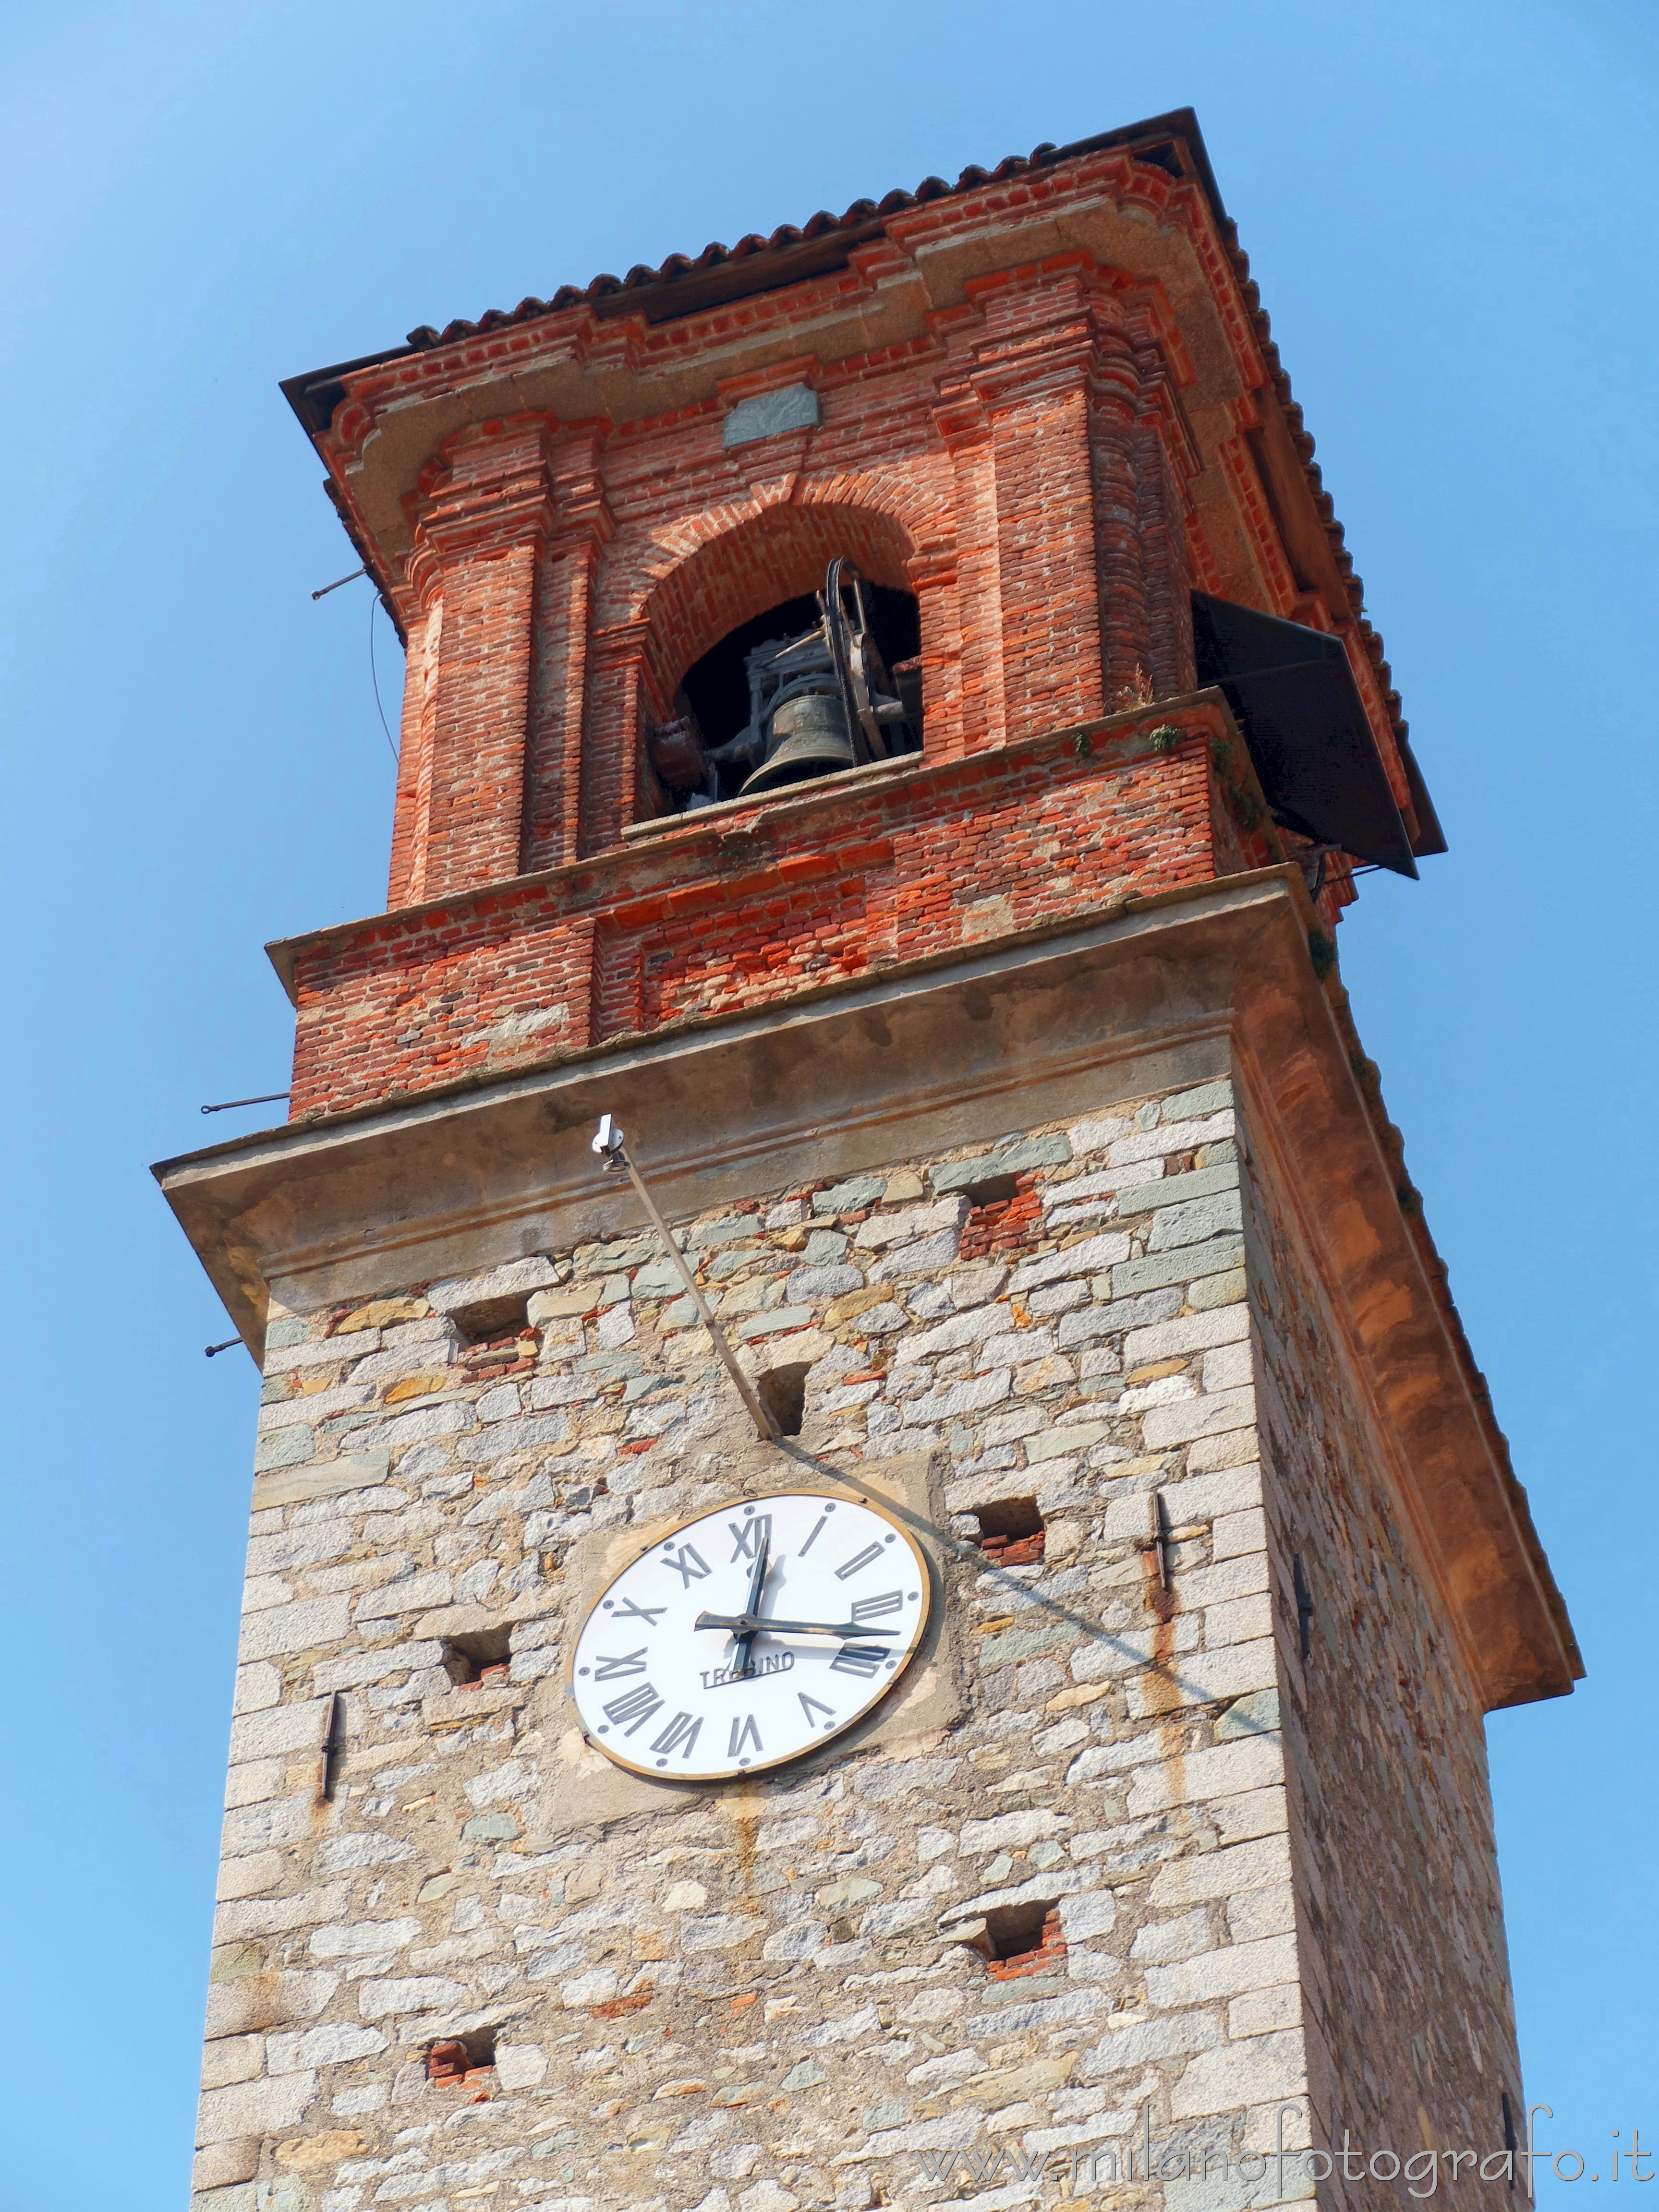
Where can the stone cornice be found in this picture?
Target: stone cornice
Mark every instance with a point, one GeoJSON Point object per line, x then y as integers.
{"type": "Point", "coordinates": [1218, 976]}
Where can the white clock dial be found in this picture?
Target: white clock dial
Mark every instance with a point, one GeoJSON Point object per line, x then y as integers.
{"type": "Point", "coordinates": [812, 1608]}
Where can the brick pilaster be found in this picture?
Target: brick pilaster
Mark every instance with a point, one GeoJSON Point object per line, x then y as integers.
{"type": "Point", "coordinates": [478, 536]}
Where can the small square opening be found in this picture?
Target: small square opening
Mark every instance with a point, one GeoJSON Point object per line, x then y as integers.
{"type": "Point", "coordinates": [486, 1656]}
{"type": "Point", "coordinates": [995, 1190]}
{"type": "Point", "coordinates": [1011, 1532]}
{"type": "Point", "coordinates": [1003, 1212]}
{"type": "Point", "coordinates": [492, 1319]}
{"type": "Point", "coordinates": [783, 1392]}
{"type": "Point", "coordinates": [1023, 1938]}
{"type": "Point", "coordinates": [454, 2063]}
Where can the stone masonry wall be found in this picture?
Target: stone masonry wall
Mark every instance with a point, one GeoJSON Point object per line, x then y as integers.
{"type": "Point", "coordinates": [762, 1998]}
{"type": "Point", "coordinates": [1411, 2029]}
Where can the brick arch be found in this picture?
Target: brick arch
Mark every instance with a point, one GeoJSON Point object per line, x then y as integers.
{"type": "Point", "coordinates": [776, 555]}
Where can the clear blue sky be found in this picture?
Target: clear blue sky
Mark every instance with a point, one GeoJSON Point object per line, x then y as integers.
{"type": "Point", "coordinates": [1452, 211]}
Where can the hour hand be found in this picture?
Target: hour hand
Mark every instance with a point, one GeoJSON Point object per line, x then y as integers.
{"type": "Point", "coordinates": [747, 1623]}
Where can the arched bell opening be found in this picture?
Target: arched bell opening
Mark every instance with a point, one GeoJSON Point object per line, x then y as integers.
{"type": "Point", "coordinates": [818, 684]}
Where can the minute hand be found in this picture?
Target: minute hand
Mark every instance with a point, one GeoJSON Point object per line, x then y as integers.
{"type": "Point", "coordinates": [749, 1624]}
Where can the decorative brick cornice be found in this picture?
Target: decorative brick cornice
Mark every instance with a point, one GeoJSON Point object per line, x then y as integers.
{"type": "Point", "coordinates": [496, 491]}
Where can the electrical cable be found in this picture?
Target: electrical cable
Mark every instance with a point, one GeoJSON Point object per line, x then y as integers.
{"type": "Point", "coordinates": [373, 677]}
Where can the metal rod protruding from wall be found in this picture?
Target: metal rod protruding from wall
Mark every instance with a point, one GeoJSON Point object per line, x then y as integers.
{"type": "Point", "coordinates": [334, 586]}
{"type": "Point", "coordinates": [612, 1148]}
{"type": "Point", "coordinates": [265, 1098]}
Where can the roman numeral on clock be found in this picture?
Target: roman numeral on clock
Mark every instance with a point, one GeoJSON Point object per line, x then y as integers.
{"type": "Point", "coordinates": [872, 1609]}
{"type": "Point", "coordinates": [747, 1535]}
{"type": "Point", "coordinates": [811, 1706]}
{"type": "Point", "coordinates": [680, 1734]}
{"type": "Point", "coordinates": [861, 1659]}
{"type": "Point", "coordinates": [743, 1732]}
{"type": "Point", "coordinates": [650, 1614]}
{"type": "Point", "coordinates": [859, 1562]}
{"type": "Point", "coordinates": [631, 1663]}
{"type": "Point", "coordinates": [635, 1706]}
{"type": "Point", "coordinates": [688, 1564]}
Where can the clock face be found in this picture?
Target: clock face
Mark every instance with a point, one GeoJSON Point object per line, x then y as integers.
{"type": "Point", "coordinates": [812, 1608]}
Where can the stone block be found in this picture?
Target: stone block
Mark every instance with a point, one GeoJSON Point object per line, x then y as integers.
{"type": "Point", "coordinates": [1183, 1136]}
{"type": "Point", "coordinates": [1229, 1769]}
{"type": "Point", "coordinates": [234, 2162]}
{"type": "Point", "coordinates": [1225, 1450]}
{"type": "Point", "coordinates": [956, 1335]}
{"type": "Point", "coordinates": [848, 1197]}
{"type": "Point", "coordinates": [257, 1687]}
{"type": "Point", "coordinates": [1184, 1264]}
{"type": "Point", "coordinates": [1007, 1832]}
{"type": "Point", "coordinates": [1193, 1105]}
{"type": "Point", "coordinates": [320, 1407]}
{"type": "Point", "coordinates": [1229, 1366]}
{"type": "Point", "coordinates": [1259, 2011]}
{"type": "Point", "coordinates": [283, 1448]}
{"type": "Point", "coordinates": [527, 1433]}
{"type": "Point", "coordinates": [1204, 1676]}
{"type": "Point", "coordinates": [457, 1292]}
{"type": "Point", "coordinates": [230, 2058]}
{"type": "Point", "coordinates": [1224, 1580]}
{"type": "Point", "coordinates": [1223, 1290]}
{"type": "Point", "coordinates": [243, 1918]}
{"type": "Point", "coordinates": [277, 1821]}
{"type": "Point", "coordinates": [390, 1999]}
{"type": "Point", "coordinates": [1197, 1221]}
{"type": "Point", "coordinates": [1206, 1876]}
{"type": "Point", "coordinates": [325, 1351]}
{"type": "Point", "coordinates": [414, 1594]}
{"type": "Point", "coordinates": [252, 1783]}
{"type": "Point", "coordinates": [1136, 2042]}
{"type": "Point", "coordinates": [253, 2108]}
{"type": "Point", "coordinates": [1249, 2072]}
{"type": "Point", "coordinates": [362, 1470]}
{"type": "Point", "coordinates": [1178, 1189]}
{"type": "Point", "coordinates": [822, 1282]}
{"type": "Point", "coordinates": [1239, 1621]}
{"type": "Point", "coordinates": [1232, 1535]}
{"type": "Point", "coordinates": [332, 2045]}
{"type": "Point", "coordinates": [882, 1230]}
{"type": "Point", "coordinates": [301, 1626]}
{"type": "Point", "coordinates": [1064, 1444]}
{"type": "Point", "coordinates": [1163, 1425]}
{"type": "Point", "coordinates": [1222, 1973]}
{"type": "Point", "coordinates": [1256, 1713]}
{"type": "Point", "coordinates": [1264, 1812]}
{"type": "Point", "coordinates": [769, 415]}
{"type": "Point", "coordinates": [1174, 1339]}
{"type": "Point", "coordinates": [1086, 1257]}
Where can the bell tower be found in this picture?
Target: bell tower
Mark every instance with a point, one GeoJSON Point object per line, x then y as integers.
{"type": "Point", "coordinates": [891, 721]}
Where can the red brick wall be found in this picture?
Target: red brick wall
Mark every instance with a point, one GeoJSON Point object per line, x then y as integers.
{"type": "Point", "coordinates": [721, 914]}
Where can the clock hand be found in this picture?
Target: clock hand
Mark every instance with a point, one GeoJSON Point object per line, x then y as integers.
{"type": "Point", "coordinates": [750, 1624]}
{"type": "Point", "coordinates": [744, 1637]}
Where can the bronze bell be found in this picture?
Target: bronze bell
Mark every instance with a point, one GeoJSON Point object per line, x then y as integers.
{"type": "Point", "coordinates": [809, 737]}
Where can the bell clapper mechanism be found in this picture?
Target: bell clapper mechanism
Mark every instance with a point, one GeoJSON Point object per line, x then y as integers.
{"type": "Point", "coordinates": [819, 703]}
{"type": "Point", "coordinates": [612, 1148]}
